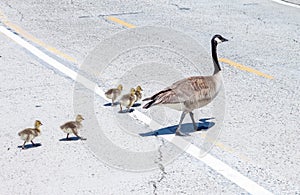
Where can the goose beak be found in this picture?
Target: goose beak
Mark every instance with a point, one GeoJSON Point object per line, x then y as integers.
{"type": "Point", "coordinates": [224, 40]}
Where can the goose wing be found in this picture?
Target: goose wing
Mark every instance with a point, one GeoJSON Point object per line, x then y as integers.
{"type": "Point", "coordinates": [127, 99]}
{"type": "Point", "coordinates": [71, 125]}
{"type": "Point", "coordinates": [29, 131]}
{"type": "Point", "coordinates": [110, 91]}
{"type": "Point", "coordinates": [189, 89]}
{"type": "Point", "coordinates": [26, 131]}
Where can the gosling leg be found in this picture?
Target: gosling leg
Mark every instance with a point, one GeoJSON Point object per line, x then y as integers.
{"type": "Point", "coordinates": [112, 102]}
{"type": "Point", "coordinates": [23, 147]}
{"type": "Point", "coordinates": [76, 134]}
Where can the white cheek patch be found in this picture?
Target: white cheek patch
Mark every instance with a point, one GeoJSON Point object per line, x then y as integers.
{"type": "Point", "coordinates": [218, 40]}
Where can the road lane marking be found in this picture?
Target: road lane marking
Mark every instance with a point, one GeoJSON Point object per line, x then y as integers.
{"type": "Point", "coordinates": [287, 3]}
{"type": "Point", "coordinates": [28, 36]}
{"type": "Point", "coordinates": [224, 60]}
{"type": "Point", "coordinates": [245, 68]}
{"type": "Point", "coordinates": [123, 23]}
{"type": "Point", "coordinates": [217, 165]}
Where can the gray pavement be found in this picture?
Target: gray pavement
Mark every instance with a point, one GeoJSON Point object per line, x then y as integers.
{"type": "Point", "coordinates": [261, 124]}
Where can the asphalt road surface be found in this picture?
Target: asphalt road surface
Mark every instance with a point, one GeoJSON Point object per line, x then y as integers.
{"type": "Point", "coordinates": [255, 132]}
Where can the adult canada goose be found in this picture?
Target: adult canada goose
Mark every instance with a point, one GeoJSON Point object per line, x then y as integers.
{"type": "Point", "coordinates": [30, 133]}
{"type": "Point", "coordinates": [128, 100]}
{"type": "Point", "coordinates": [73, 127]}
{"type": "Point", "coordinates": [138, 93]}
{"type": "Point", "coordinates": [114, 93]}
{"type": "Point", "coordinates": [191, 93]}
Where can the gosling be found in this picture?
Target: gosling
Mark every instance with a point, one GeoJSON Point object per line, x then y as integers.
{"type": "Point", "coordinates": [114, 93]}
{"type": "Point", "coordinates": [73, 127]}
{"type": "Point", "coordinates": [30, 133]}
{"type": "Point", "coordinates": [128, 100]}
{"type": "Point", "coordinates": [138, 93]}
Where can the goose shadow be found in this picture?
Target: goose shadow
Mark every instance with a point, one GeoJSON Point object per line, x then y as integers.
{"type": "Point", "coordinates": [28, 146]}
{"type": "Point", "coordinates": [204, 124]}
{"type": "Point", "coordinates": [69, 139]}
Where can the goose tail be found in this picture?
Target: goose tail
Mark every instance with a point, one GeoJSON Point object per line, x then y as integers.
{"type": "Point", "coordinates": [149, 104]}
{"type": "Point", "coordinates": [155, 99]}
{"type": "Point", "coordinates": [147, 99]}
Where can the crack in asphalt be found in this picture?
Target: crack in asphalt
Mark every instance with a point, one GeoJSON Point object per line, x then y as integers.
{"type": "Point", "coordinates": [120, 14]}
{"type": "Point", "coordinates": [112, 14]}
{"type": "Point", "coordinates": [250, 4]}
{"type": "Point", "coordinates": [161, 167]}
{"type": "Point", "coordinates": [19, 12]}
{"type": "Point", "coordinates": [291, 2]}
{"type": "Point", "coordinates": [181, 8]}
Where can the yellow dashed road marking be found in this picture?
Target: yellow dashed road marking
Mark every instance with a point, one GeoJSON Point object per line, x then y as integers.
{"type": "Point", "coordinates": [224, 60]}
{"type": "Point", "coordinates": [117, 20]}
{"type": "Point", "coordinates": [30, 37]}
{"type": "Point", "coordinates": [245, 68]}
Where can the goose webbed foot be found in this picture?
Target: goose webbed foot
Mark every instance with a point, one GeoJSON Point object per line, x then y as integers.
{"type": "Point", "coordinates": [180, 133]}
{"type": "Point", "coordinates": [195, 128]}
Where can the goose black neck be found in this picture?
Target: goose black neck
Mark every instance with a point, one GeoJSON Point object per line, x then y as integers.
{"type": "Point", "coordinates": [215, 57]}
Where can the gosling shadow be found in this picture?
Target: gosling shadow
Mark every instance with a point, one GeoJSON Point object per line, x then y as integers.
{"type": "Point", "coordinates": [110, 104]}
{"type": "Point", "coordinates": [28, 146]}
{"type": "Point", "coordinates": [136, 105]}
{"type": "Point", "coordinates": [69, 139]}
{"type": "Point", "coordinates": [126, 111]}
{"type": "Point", "coordinates": [187, 128]}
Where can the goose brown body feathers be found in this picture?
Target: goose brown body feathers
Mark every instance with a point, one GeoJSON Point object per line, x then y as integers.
{"type": "Point", "coordinates": [190, 93]}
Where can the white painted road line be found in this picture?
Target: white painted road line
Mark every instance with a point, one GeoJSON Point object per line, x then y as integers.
{"type": "Point", "coordinates": [217, 165]}
{"type": "Point", "coordinates": [286, 3]}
